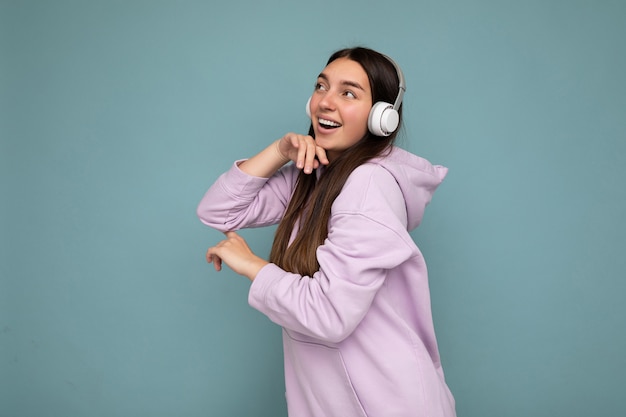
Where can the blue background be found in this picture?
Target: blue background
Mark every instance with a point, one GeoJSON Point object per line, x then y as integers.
{"type": "Point", "coordinates": [116, 116]}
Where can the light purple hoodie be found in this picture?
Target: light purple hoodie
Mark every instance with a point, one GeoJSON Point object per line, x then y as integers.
{"type": "Point", "coordinates": [358, 335]}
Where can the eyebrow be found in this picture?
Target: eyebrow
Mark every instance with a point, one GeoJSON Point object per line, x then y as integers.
{"type": "Point", "coordinates": [345, 83]}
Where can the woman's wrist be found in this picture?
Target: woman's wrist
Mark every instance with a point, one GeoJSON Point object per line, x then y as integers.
{"type": "Point", "coordinates": [255, 267]}
{"type": "Point", "coordinates": [280, 155]}
{"type": "Point", "coordinates": [265, 163]}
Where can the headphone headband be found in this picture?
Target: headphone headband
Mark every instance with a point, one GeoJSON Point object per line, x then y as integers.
{"type": "Point", "coordinates": [401, 83]}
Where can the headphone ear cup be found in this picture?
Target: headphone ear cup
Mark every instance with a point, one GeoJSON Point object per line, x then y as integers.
{"type": "Point", "coordinates": [308, 107]}
{"type": "Point", "coordinates": [383, 119]}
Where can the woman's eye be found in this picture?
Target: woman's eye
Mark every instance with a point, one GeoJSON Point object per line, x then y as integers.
{"type": "Point", "coordinates": [319, 86]}
{"type": "Point", "coordinates": [350, 94]}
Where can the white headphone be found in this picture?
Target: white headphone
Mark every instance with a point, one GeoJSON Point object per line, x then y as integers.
{"type": "Point", "coordinates": [384, 118]}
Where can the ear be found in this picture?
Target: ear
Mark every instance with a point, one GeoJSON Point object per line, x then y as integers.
{"type": "Point", "coordinates": [383, 119]}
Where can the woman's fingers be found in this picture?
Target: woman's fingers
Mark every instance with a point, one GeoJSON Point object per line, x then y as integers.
{"type": "Point", "coordinates": [217, 263]}
{"type": "Point", "coordinates": [232, 235]}
{"type": "Point", "coordinates": [214, 259]}
{"type": "Point", "coordinates": [235, 252]}
{"type": "Point", "coordinates": [309, 156]}
{"type": "Point", "coordinates": [300, 158]}
{"type": "Point", "coordinates": [306, 153]}
{"type": "Point", "coordinates": [303, 151]}
{"type": "Point", "coordinates": [321, 155]}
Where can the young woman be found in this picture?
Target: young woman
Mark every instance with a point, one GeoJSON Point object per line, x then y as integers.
{"type": "Point", "coordinates": [344, 279]}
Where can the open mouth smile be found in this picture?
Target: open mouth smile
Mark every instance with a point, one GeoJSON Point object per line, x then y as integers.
{"type": "Point", "coordinates": [328, 124]}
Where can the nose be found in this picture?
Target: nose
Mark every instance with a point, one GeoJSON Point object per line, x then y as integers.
{"type": "Point", "coordinates": [326, 103]}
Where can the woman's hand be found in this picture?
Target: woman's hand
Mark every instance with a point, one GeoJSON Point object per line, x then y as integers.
{"type": "Point", "coordinates": [235, 252]}
{"type": "Point", "coordinates": [302, 150]}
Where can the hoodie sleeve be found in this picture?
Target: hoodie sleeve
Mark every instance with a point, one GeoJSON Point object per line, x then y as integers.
{"type": "Point", "coordinates": [367, 237]}
{"type": "Point", "coordinates": [237, 200]}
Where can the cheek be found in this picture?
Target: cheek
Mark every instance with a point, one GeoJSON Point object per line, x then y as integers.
{"type": "Point", "coordinates": [359, 117]}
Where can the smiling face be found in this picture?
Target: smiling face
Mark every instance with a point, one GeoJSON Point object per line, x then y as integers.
{"type": "Point", "coordinates": [340, 106]}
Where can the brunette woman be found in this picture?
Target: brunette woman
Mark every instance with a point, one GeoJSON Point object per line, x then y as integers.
{"type": "Point", "coordinates": [344, 279]}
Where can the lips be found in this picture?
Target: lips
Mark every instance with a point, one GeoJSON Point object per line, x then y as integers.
{"type": "Point", "coordinates": [328, 124]}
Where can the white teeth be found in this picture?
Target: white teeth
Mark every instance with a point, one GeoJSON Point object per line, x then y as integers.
{"type": "Point", "coordinates": [328, 123]}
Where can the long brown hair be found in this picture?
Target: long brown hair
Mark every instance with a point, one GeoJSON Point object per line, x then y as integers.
{"type": "Point", "coordinates": [310, 204]}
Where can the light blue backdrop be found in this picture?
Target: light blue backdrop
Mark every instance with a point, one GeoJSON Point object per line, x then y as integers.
{"type": "Point", "coordinates": [117, 115]}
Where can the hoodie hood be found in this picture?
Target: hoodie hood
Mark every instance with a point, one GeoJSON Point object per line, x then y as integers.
{"type": "Point", "coordinates": [418, 179]}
